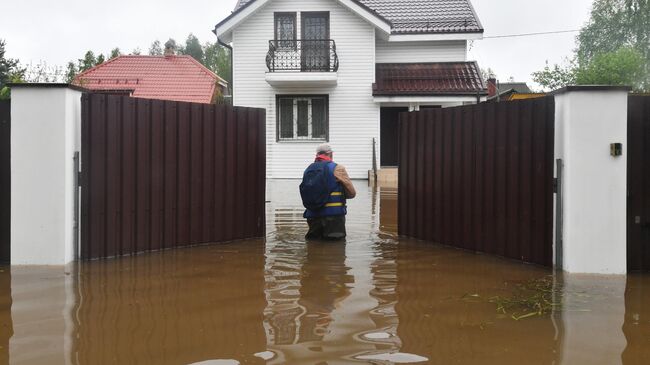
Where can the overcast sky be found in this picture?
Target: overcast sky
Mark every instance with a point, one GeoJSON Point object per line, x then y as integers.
{"type": "Point", "coordinates": [62, 30]}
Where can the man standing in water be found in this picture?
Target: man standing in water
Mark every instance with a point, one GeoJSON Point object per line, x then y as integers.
{"type": "Point", "coordinates": [324, 190]}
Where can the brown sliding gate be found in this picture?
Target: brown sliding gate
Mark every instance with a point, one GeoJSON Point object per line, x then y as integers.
{"type": "Point", "coordinates": [161, 174]}
{"type": "Point", "coordinates": [638, 201]}
{"type": "Point", "coordinates": [5, 181]}
{"type": "Point", "coordinates": [480, 178]}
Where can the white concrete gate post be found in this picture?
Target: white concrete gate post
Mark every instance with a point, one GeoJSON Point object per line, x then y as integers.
{"type": "Point", "coordinates": [45, 133]}
{"type": "Point", "coordinates": [588, 119]}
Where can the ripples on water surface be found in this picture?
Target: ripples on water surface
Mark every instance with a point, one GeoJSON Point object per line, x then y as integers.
{"type": "Point", "coordinates": [375, 300]}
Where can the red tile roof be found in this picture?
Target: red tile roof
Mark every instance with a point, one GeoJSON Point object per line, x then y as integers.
{"type": "Point", "coordinates": [179, 78]}
{"type": "Point", "coordinates": [445, 78]}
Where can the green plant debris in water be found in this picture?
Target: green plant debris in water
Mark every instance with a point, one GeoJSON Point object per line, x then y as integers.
{"type": "Point", "coordinates": [533, 298]}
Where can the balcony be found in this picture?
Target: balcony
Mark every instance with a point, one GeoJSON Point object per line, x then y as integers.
{"type": "Point", "coordinates": [299, 63]}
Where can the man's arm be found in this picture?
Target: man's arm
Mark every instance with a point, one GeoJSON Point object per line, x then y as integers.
{"type": "Point", "coordinates": [342, 176]}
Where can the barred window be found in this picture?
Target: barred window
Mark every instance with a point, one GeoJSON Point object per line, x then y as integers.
{"type": "Point", "coordinates": [302, 118]}
{"type": "Point", "coordinates": [285, 29]}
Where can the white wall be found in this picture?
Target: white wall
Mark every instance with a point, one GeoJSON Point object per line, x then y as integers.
{"type": "Point", "coordinates": [430, 51]}
{"type": "Point", "coordinates": [353, 116]}
{"type": "Point", "coordinates": [45, 133]}
{"type": "Point", "coordinates": [594, 186]}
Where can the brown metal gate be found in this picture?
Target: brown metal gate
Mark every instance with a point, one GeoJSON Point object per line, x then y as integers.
{"type": "Point", "coordinates": [480, 178]}
{"type": "Point", "coordinates": [5, 181]}
{"type": "Point", "coordinates": [638, 181]}
{"type": "Point", "coordinates": [163, 174]}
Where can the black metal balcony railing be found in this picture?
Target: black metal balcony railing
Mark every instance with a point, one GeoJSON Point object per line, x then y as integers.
{"type": "Point", "coordinates": [302, 55]}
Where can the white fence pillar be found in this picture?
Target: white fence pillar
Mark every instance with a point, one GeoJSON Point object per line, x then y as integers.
{"type": "Point", "coordinates": [587, 120]}
{"type": "Point", "coordinates": [45, 133]}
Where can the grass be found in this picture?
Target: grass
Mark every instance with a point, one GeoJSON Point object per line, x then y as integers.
{"type": "Point", "coordinates": [532, 298]}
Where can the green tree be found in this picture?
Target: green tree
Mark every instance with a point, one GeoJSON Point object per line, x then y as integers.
{"type": "Point", "coordinates": [100, 59]}
{"type": "Point", "coordinates": [610, 46]}
{"type": "Point", "coordinates": [193, 48]}
{"type": "Point", "coordinates": [71, 72]}
{"type": "Point", "coordinates": [136, 52]}
{"type": "Point", "coordinates": [617, 24]}
{"type": "Point", "coordinates": [155, 49]}
{"type": "Point", "coordinates": [10, 71]}
{"type": "Point", "coordinates": [89, 61]}
{"type": "Point", "coordinates": [116, 52]}
{"type": "Point", "coordinates": [614, 24]}
{"type": "Point", "coordinates": [217, 59]}
{"type": "Point", "coordinates": [625, 66]}
{"type": "Point", "coordinates": [8, 66]}
{"type": "Point", "coordinates": [556, 76]}
{"type": "Point", "coordinates": [14, 77]}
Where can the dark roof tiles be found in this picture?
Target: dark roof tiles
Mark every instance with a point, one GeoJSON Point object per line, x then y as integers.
{"type": "Point", "coordinates": [518, 87]}
{"type": "Point", "coordinates": [427, 16]}
{"type": "Point", "coordinates": [445, 78]}
{"type": "Point", "coordinates": [421, 16]}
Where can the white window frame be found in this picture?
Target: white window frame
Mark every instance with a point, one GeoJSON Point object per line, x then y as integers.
{"type": "Point", "coordinates": [296, 99]}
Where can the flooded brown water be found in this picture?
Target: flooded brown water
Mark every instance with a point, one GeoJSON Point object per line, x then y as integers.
{"type": "Point", "coordinates": [377, 299]}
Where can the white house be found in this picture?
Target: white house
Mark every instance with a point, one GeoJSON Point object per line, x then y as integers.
{"type": "Point", "coordinates": [342, 70]}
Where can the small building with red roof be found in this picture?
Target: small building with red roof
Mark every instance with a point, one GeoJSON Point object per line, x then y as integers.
{"type": "Point", "coordinates": [169, 77]}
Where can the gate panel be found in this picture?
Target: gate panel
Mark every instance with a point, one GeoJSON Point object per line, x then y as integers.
{"type": "Point", "coordinates": [156, 174]}
{"type": "Point", "coordinates": [5, 181]}
{"type": "Point", "coordinates": [480, 178]}
{"type": "Point", "coordinates": [129, 173]}
{"type": "Point", "coordinates": [170, 175]}
{"type": "Point", "coordinates": [638, 203]}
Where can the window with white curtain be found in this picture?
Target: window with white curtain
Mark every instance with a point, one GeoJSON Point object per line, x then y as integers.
{"type": "Point", "coordinates": [302, 118]}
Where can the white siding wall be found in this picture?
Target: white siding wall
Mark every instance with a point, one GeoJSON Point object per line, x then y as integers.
{"type": "Point", "coordinates": [432, 51]}
{"type": "Point", "coordinates": [353, 116]}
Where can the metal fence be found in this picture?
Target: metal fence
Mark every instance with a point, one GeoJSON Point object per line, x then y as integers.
{"type": "Point", "coordinates": [480, 178]}
{"type": "Point", "coordinates": [638, 181]}
{"type": "Point", "coordinates": [5, 181]}
{"type": "Point", "coordinates": [162, 174]}
{"type": "Point", "coordinates": [302, 55]}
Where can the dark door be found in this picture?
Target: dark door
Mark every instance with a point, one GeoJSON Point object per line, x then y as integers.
{"type": "Point", "coordinates": [389, 120]}
{"type": "Point", "coordinates": [315, 42]}
{"type": "Point", "coordinates": [5, 181]}
{"type": "Point", "coordinates": [638, 180]}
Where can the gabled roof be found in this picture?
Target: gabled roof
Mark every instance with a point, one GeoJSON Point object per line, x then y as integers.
{"type": "Point", "coordinates": [415, 16]}
{"type": "Point", "coordinates": [179, 78]}
{"type": "Point", "coordinates": [518, 87]}
{"type": "Point", "coordinates": [428, 16]}
{"type": "Point", "coordinates": [431, 79]}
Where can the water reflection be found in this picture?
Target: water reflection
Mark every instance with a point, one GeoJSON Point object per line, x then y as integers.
{"type": "Point", "coordinates": [375, 299]}
{"type": "Point", "coordinates": [637, 320]}
{"type": "Point", "coordinates": [177, 307]}
{"type": "Point", "coordinates": [444, 312]}
{"type": "Point", "coordinates": [6, 325]}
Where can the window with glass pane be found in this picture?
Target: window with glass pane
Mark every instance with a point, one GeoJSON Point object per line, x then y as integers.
{"type": "Point", "coordinates": [285, 29]}
{"type": "Point", "coordinates": [302, 117]}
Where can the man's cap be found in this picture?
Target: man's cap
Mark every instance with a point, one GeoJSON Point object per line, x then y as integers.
{"type": "Point", "coordinates": [324, 148]}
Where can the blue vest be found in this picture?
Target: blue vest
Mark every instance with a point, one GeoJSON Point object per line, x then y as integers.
{"type": "Point", "coordinates": [335, 205]}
